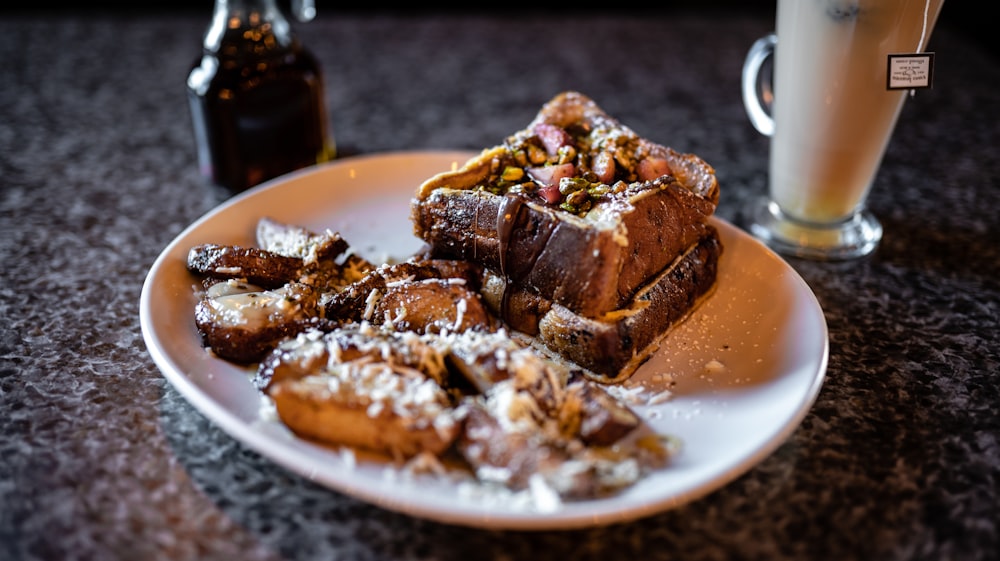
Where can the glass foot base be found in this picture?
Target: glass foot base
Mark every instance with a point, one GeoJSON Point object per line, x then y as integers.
{"type": "Point", "coordinates": [855, 237]}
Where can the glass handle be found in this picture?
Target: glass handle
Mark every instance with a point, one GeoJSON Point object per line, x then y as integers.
{"type": "Point", "coordinates": [758, 87]}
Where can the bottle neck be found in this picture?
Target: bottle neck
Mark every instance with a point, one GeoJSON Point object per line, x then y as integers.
{"type": "Point", "coordinates": [258, 21]}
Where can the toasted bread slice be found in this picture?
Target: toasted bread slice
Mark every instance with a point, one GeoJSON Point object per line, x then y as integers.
{"type": "Point", "coordinates": [612, 346]}
{"type": "Point", "coordinates": [576, 208]}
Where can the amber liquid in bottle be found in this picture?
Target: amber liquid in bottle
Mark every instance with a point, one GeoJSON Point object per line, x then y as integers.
{"type": "Point", "coordinates": [256, 98]}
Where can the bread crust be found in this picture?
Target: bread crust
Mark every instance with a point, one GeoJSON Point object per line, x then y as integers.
{"type": "Point", "coordinates": [591, 262]}
{"type": "Point", "coordinates": [612, 346]}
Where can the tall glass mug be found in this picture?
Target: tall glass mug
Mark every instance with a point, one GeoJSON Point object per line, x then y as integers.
{"type": "Point", "coordinates": [828, 108]}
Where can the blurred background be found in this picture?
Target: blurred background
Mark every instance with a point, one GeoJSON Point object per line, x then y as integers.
{"type": "Point", "coordinates": [960, 14]}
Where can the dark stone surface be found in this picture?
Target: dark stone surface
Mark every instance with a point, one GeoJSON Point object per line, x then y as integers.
{"type": "Point", "coordinates": [103, 459]}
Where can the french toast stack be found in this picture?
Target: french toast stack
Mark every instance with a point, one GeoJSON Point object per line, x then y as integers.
{"type": "Point", "coordinates": [592, 241]}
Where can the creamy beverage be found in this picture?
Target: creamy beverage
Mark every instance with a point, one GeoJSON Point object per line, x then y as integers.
{"type": "Point", "coordinates": [833, 113]}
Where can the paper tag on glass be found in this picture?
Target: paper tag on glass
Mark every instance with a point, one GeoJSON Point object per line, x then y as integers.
{"type": "Point", "coordinates": [910, 71]}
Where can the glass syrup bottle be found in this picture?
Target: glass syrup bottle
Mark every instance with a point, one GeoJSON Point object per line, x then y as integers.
{"type": "Point", "coordinates": [256, 96]}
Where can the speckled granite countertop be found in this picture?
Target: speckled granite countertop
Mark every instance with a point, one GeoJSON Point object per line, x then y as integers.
{"type": "Point", "coordinates": [103, 459]}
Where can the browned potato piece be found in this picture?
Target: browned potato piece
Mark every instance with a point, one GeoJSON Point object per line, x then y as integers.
{"type": "Point", "coordinates": [257, 266]}
{"type": "Point", "coordinates": [369, 405]}
{"type": "Point", "coordinates": [431, 306]}
{"type": "Point", "coordinates": [242, 322]}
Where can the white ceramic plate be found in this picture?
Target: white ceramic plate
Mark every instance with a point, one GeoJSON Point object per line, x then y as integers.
{"type": "Point", "coordinates": [747, 365]}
